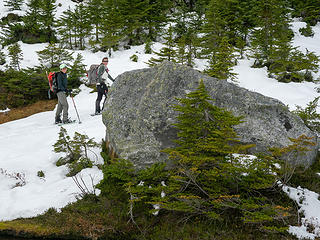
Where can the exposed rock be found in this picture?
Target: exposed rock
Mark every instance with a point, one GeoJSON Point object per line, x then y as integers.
{"type": "Point", "coordinates": [138, 113]}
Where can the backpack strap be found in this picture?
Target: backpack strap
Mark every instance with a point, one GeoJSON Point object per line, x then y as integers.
{"type": "Point", "coordinates": [57, 82]}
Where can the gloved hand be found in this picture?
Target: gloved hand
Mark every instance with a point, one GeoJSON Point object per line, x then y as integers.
{"type": "Point", "coordinates": [68, 92]}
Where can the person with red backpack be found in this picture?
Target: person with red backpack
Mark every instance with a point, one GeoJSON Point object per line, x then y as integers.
{"type": "Point", "coordinates": [62, 92]}
{"type": "Point", "coordinates": [102, 89]}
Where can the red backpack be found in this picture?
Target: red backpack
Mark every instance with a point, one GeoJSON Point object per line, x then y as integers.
{"type": "Point", "coordinates": [53, 83]}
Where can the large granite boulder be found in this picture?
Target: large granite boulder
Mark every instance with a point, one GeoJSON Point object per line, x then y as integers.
{"type": "Point", "coordinates": [138, 113]}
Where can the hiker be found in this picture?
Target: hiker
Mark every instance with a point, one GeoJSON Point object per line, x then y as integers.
{"type": "Point", "coordinates": [62, 92]}
{"type": "Point", "coordinates": [102, 89]}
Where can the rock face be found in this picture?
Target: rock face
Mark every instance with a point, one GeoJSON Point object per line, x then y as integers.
{"type": "Point", "coordinates": [138, 113]}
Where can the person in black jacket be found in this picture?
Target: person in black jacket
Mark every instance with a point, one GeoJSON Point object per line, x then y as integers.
{"type": "Point", "coordinates": [102, 88]}
{"type": "Point", "coordinates": [62, 91]}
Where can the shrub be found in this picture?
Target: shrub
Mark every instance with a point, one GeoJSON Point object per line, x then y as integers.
{"type": "Point", "coordinates": [309, 115]}
{"type": "Point", "coordinates": [40, 174]}
{"type": "Point", "coordinates": [76, 151]}
{"type": "Point", "coordinates": [134, 58]}
{"type": "Point", "coordinates": [20, 88]}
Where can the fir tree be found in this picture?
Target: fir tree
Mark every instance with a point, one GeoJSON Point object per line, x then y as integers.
{"type": "Point", "coordinates": [32, 20]}
{"type": "Point", "coordinates": [219, 30]}
{"type": "Point", "coordinates": [65, 28]}
{"type": "Point", "coordinates": [76, 72]}
{"type": "Point", "coordinates": [53, 56]}
{"type": "Point", "coordinates": [76, 151]}
{"type": "Point", "coordinates": [81, 26]}
{"type": "Point", "coordinates": [309, 115]}
{"type": "Point", "coordinates": [16, 55]}
{"type": "Point", "coordinates": [186, 28]}
{"type": "Point", "coordinates": [308, 10]}
{"type": "Point", "coordinates": [96, 16]}
{"type": "Point", "coordinates": [47, 11]}
{"type": "Point", "coordinates": [113, 28]}
{"type": "Point", "coordinates": [222, 61]}
{"type": "Point", "coordinates": [147, 48]}
{"type": "Point", "coordinates": [206, 178]}
{"type": "Point", "coordinates": [166, 53]}
{"type": "Point", "coordinates": [134, 12]}
{"type": "Point", "coordinates": [272, 28]}
{"type": "Point", "coordinates": [13, 4]}
{"type": "Point", "coordinates": [156, 17]}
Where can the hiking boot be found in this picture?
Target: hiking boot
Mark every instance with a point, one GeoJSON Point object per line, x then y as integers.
{"type": "Point", "coordinates": [67, 121]}
{"type": "Point", "coordinates": [97, 113]}
{"type": "Point", "coordinates": [57, 121]}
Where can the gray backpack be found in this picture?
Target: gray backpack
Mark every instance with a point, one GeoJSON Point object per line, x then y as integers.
{"type": "Point", "coordinates": [93, 74]}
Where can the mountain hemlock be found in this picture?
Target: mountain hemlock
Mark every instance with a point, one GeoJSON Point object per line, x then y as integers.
{"type": "Point", "coordinates": [168, 52]}
{"type": "Point", "coordinates": [221, 62]}
{"type": "Point", "coordinates": [53, 56]}
{"type": "Point", "coordinates": [77, 71]}
{"type": "Point", "coordinates": [16, 55]}
{"type": "Point", "coordinates": [33, 21]}
{"type": "Point", "coordinates": [208, 179]}
{"type": "Point", "coordinates": [47, 11]}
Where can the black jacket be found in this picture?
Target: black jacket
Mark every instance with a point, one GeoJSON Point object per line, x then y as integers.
{"type": "Point", "coordinates": [62, 81]}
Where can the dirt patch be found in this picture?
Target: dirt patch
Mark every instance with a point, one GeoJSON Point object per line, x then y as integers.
{"type": "Point", "coordinates": [22, 112]}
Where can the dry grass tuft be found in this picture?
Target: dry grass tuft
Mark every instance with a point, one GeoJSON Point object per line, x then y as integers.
{"type": "Point", "coordinates": [22, 112]}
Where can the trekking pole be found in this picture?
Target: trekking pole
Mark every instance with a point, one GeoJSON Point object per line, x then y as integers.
{"type": "Point", "coordinates": [49, 95]}
{"type": "Point", "coordinates": [75, 108]}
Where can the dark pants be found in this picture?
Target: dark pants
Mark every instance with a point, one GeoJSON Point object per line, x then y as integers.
{"type": "Point", "coordinates": [102, 89]}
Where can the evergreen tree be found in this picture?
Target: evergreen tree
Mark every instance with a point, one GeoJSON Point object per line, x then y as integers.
{"type": "Point", "coordinates": [76, 72]}
{"type": "Point", "coordinates": [166, 53]}
{"type": "Point", "coordinates": [147, 48]}
{"type": "Point", "coordinates": [16, 55]}
{"type": "Point", "coordinates": [247, 21]}
{"type": "Point", "coordinates": [53, 55]}
{"type": "Point", "coordinates": [186, 27]}
{"type": "Point", "coordinates": [289, 64]}
{"type": "Point", "coordinates": [221, 62]}
{"type": "Point", "coordinates": [308, 10]}
{"type": "Point", "coordinates": [113, 28]}
{"type": "Point", "coordinates": [47, 11]}
{"type": "Point", "coordinates": [81, 26]}
{"type": "Point", "coordinates": [65, 28]}
{"type": "Point", "coordinates": [135, 12]}
{"type": "Point", "coordinates": [217, 37]}
{"type": "Point", "coordinates": [272, 28]}
{"type": "Point", "coordinates": [32, 20]}
{"type": "Point", "coordinates": [206, 178]}
{"type": "Point", "coordinates": [156, 17]}
{"type": "Point", "coordinates": [13, 4]}
{"type": "Point", "coordinates": [96, 10]}
{"type": "Point", "coordinates": [231, 19]}
{"type": "Point", "coordinates": [307, 31]}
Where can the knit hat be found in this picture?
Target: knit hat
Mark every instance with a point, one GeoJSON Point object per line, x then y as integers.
{"type": "Point", "coordinates": [62, 66]}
